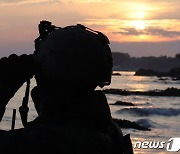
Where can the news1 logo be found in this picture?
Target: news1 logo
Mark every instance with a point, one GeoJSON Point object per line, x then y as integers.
{"type": "Point", "coordinates": [173, 144]}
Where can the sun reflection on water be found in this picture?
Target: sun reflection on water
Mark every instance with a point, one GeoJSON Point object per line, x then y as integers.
{"type": "Point", "coordinates": [139, 86]}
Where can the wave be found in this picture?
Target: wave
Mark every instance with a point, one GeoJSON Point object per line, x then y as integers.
{"type": "Point", "coordinates": [147, 123]}
{"type": "Point", "coordinates": [151, 111]}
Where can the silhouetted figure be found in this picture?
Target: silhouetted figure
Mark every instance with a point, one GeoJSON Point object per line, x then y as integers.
{"type": "Point", "coordinates": [73, 118]}
{"type": "Point", "coordinates": [36, 99]}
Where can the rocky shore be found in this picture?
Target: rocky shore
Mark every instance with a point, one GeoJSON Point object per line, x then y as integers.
{"type": "Point", "coordinates": [123, 103]}
{"type": "Point", "coordinates": [116, 74]}
{"type": "Point", "coordinates": [128, 124]}
{"type": "Point", "coordinates": [174, 73]}
{"type": "Point", "coordinates": [167, 92]}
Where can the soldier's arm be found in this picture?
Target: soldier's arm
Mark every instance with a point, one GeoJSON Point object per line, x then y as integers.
{"type": "Point", "coordinates": [14, 71]}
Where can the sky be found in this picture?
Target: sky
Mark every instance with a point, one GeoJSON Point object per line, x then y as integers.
{"type": "Point", "coordinates": [137, 27]}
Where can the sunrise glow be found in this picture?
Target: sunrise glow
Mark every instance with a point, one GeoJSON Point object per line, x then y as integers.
{"type": "Point", "coordinates": [137, 11]}
{"type": "Point", "coordinates": [122, 21]}
{"type": "Point", "coordinates": [139, 25]}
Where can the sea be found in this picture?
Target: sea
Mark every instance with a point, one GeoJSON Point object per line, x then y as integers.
{"type": "Point", "coordinates": [159, 113]}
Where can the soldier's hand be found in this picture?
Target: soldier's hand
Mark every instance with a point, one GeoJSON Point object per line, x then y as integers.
{"type": "Point", "coordinates": [14, 71]}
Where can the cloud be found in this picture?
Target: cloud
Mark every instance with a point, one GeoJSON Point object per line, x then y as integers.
{"type": "Point", "coordinates": [162, 32]}
{"type": "Point", "coordinates": [148, 31]}
{"type": "Point", "coordinates": [24, 2]}
{"type": "Point", "coordinates": [10, 1]}
{"type": "Point", "coordinates": [130, 31]}
{"type": "Point", "coordinates": [19, 2]}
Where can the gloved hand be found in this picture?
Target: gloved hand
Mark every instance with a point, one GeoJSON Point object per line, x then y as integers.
{"type": "Point", "coordinates": [14, 71]}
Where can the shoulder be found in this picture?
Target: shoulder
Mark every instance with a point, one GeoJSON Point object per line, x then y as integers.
{"type": "Point", "coordinates": [67, 139]}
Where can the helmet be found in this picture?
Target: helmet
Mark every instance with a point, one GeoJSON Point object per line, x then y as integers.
{"type": "Point", "coordinates": [73, 54]}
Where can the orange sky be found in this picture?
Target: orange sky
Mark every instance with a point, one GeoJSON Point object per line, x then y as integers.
{"type": "Point", "coordinates": [125, 22]}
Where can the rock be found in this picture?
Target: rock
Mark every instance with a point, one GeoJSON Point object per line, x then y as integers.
{"type": "Point", "coordinates": [176, 78]}
{"type": "Point", "coordinates": [116, 91]}
{"type": "Point", "coordinates": [167, 92]}
{"type": "Point", "coordinates": [149, 72]}
{"type": "Point", "coordinates": [128, 124]}
{"type": "Point", "coordinates": [174, 72]}
{"type": "Point", "coordinates": [116, 74]}
{"type": "Point", "coordinates": [123, 103]}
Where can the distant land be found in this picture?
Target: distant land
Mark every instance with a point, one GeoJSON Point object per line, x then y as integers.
{"type": "Point", "coordinates": [124, 62]}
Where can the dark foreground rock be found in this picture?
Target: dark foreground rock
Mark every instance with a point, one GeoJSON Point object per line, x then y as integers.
{"type": "Point", "coordinates": [117, 92]}
{"type": "Point", "coordinates": [128, 124]}
{"type": "Point", "coordinates": [116, 74]}
{"type": "Point", "coordinates": [123, 103]}
{"type": "Point", "coordinates": [167, 92]}
{"type": "Point", "coordinates": [176, 78]}
{"type": "Point", "coordinates": [149, 72]}
{"type": "Point", "coordinates": [174, 73]}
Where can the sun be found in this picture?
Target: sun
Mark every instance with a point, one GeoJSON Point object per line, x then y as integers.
{"type": "Point", "coordinates": [139, 24]}
{"type": "Point", "coordinates": [139, 14]}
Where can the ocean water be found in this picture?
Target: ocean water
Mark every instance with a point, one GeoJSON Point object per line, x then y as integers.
{"type": "Point", "coordinates": [160, 114]}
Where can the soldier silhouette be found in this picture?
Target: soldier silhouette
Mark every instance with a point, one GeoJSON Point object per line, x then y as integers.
{"type": "Point", "coordinates": [73, 118]}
